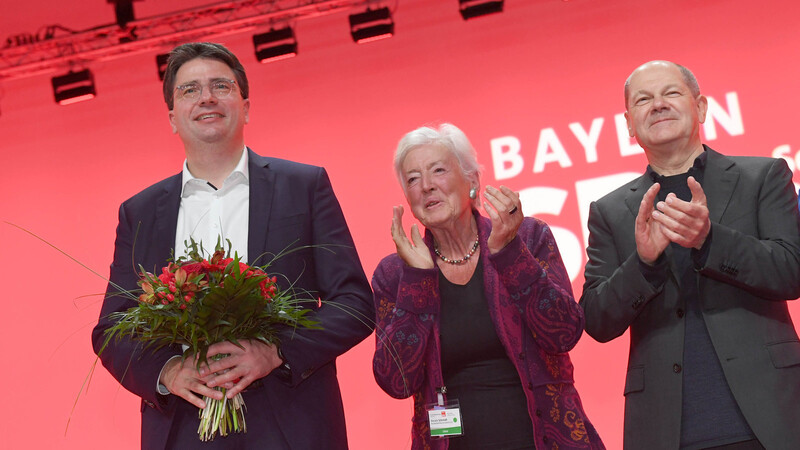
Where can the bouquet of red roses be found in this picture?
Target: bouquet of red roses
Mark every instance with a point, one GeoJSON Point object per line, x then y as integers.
{"type": "Point", "coordinates": [196, 302]}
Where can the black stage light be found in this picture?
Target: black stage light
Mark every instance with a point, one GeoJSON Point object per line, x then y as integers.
{"type": "Point", "coordinates": [471, 8]}
{"type": "Point", "coordinates": [275, 45]}
{"type": "Point", "coordinates": [371, 25]}
{"type": "Point", "coordinates": [123, 11]}
{"type": "Point", "coordinates": [74, 87]}
{"type": "Point", "coordinates": [161, 64]}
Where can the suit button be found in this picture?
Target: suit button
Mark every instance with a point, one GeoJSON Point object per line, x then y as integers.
{"type": "Point", "coordinates": [538, 413]}
{"type": "Point", "coordinates": [679, 313]}
{"type": "Point", "coordinates": [676, 368]}
{"type": "Point", "coordinates": [545, 440]}
{"type": "Point", "coordinates": [522, 355]}
{"type": "Point", "coordinates": [530, 386]}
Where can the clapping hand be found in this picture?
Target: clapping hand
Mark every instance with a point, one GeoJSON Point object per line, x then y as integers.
{"type": "Point", "coordinates": [504, 208]}
{"type": "Point", "coordinates": [649, 235]}
{"type": "Point", "coordinates": [685, 223]}
{"type": "Point", "coordinates": [412, 251]}
{"type": "Point", "coordinates": [673, 220]}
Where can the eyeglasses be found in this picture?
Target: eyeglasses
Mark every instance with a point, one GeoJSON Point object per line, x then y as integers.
{"type": "Point", "coordinates": [192, 91]}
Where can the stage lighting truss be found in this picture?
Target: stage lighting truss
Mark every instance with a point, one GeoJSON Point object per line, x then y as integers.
{"type": "Point", "coordinates": [470, 9]}
{"type": "Point", "coordinates": [73, 87]}
{"type": "Point", "coordinates": [67, 48]}
{"type": "Point", "coordinates": [275, 45]}
{"type": "Point", "coordinates": [371, 25]}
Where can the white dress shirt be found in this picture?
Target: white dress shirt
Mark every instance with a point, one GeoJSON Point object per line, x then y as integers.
{"type": "Point", "coordinates": [207, 213]}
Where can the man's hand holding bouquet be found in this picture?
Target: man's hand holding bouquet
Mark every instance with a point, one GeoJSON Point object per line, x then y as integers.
{"type": "Point", "coordinates": [226, 315]}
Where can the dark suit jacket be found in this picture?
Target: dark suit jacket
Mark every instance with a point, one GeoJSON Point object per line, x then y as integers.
{"type": "Point", "coordinates": [753, 267]}
{"type": "Point", "coordinates": [291, 205]}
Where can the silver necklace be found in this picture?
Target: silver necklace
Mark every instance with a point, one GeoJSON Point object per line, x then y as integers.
{"type": "Point", "coordinates": [462, 260]}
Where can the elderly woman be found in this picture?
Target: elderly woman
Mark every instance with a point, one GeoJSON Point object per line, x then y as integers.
{"type": "Point", "coordinates": [475, 319]}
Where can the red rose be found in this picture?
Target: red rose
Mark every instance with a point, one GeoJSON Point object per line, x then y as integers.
{"type": "Point", "coordinates": [166, 277]}
{"type": "Point", "coordinates": [193, 268]}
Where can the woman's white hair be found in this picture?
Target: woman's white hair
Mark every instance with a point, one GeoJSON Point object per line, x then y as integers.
{"type": "Point", "coordinates": [447, 136]}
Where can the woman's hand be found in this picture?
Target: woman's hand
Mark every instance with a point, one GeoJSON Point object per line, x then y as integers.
{"type": "Point", "coordinates": [413, 251]}
{"type": "Point", "coordinates": [505, 210]}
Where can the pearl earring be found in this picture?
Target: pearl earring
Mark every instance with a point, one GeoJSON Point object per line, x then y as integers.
{"type": "Point", "coordinates": [473, 193]}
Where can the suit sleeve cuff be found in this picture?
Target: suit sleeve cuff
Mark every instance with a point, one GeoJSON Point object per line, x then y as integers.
{"type": "Point", "coordinates": [284, 371]}
{"type": "Point", "coordinates": [160, 388]}
{"type": "Point", "coordinates": [700, 256]}
{"type": "Point", "coordinates": [656, 274]}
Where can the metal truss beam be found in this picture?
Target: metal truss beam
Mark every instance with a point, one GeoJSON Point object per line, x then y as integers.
{"type": "Point", "coordinates": [158, 33]}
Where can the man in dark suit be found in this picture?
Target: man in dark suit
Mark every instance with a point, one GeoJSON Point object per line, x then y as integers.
{"type": "Point", "coordinates": [697, 257]}
{"type": "Point", "coordinates": [263, 205]}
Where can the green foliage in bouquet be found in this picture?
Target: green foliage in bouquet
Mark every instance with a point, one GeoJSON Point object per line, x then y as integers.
{"type": "Point", "coordinates": [196, 302]}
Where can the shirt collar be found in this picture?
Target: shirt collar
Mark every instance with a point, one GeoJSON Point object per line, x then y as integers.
{"type": "Point", "coordinates": [698, 167]}
{"type": "Point", "coordinates": [240, 172]}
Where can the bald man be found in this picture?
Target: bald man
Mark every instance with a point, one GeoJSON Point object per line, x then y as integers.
{"type": "Point", "coordinates": [697, 258]}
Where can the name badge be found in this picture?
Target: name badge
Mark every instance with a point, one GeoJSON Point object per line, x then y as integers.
{"type": "Point", "coordinates": [445, 420]}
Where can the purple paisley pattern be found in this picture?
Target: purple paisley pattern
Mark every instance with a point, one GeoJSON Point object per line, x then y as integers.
{"type": "Point", "coordinates": [536, 317]}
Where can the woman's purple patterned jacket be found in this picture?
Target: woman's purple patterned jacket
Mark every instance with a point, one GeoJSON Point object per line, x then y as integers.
{"type": "Point", "coordinates": [536, 317]}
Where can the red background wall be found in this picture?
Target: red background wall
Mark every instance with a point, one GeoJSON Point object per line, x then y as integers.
{"type": "Point", "coordinates": [526, 74]}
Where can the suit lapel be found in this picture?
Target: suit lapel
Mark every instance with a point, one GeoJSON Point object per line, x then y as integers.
{"type": "Point", "coordinates": [634, 197]}
{"type": "Point", "coordinates": [262, 187]}
{"type": "Point", "coordinates": [166, 219]}
{"type": "Point", "coordinates": [719, 181]}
